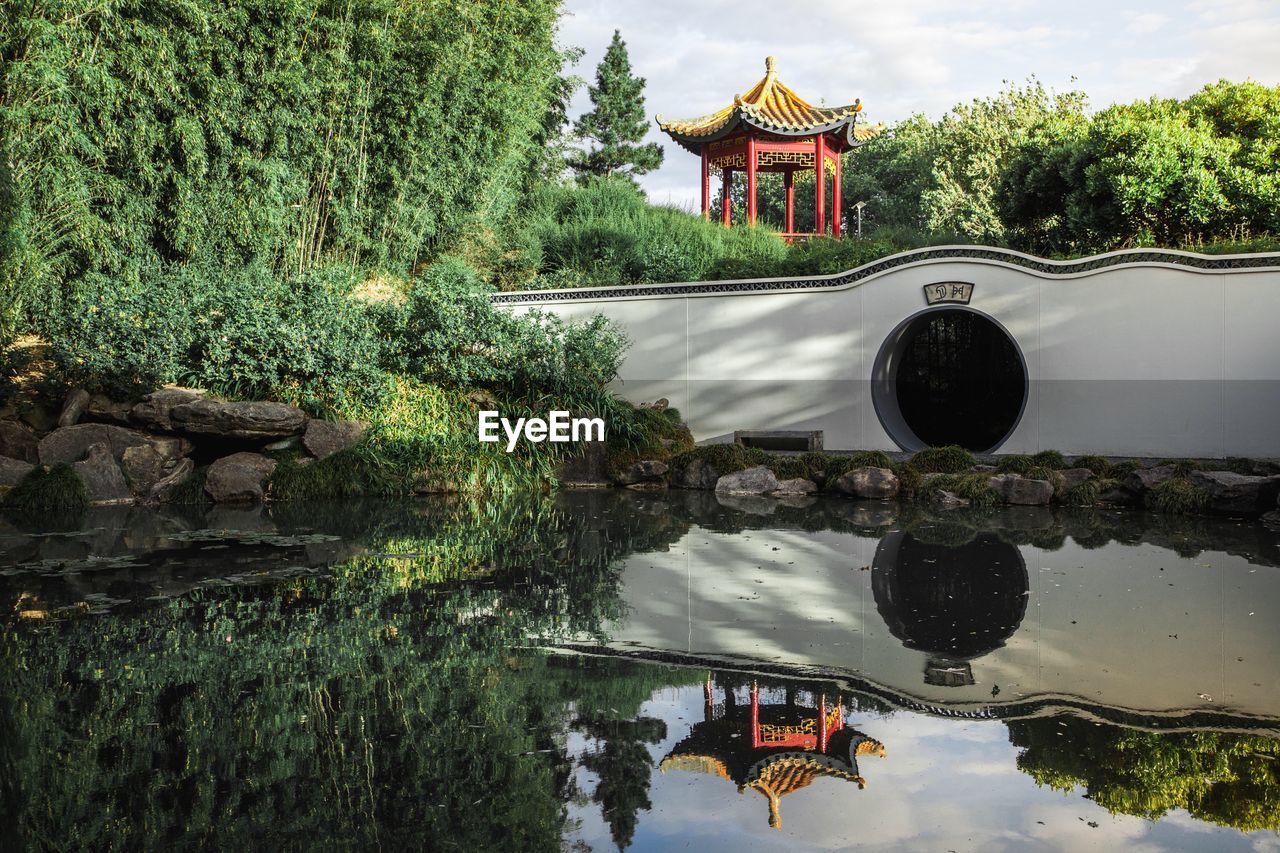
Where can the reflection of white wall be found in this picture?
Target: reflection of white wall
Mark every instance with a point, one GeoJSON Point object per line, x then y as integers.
{"type": "Point", "coordinates": [1129, 626]}
{"type": "Point", "coordinates": [1143, 359]}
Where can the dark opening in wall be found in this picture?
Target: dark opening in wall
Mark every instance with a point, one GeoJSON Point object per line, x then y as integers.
{"type": "Point", "coordinates": [950, 376]}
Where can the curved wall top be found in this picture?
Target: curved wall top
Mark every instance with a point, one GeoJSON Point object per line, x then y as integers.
{"type": "Point", "coordinates": [1143, 352]}
{"type": "Point", "coordinates": [1041, 267]}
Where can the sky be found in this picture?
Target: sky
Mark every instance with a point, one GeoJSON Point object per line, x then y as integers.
{"type": "Point", "coordinates": [906, 56]}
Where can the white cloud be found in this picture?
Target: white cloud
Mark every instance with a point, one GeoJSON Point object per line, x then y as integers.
{"type": "Point", "coordinates": [917, 55]}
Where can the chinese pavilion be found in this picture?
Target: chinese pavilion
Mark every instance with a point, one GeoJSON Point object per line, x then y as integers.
{"type": "Point", "coordinates": [773, 749]}
{"type": "Point", "coordinates": [772, 129]}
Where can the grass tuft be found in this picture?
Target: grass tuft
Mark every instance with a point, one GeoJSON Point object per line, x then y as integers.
{"type": "Point", "coordinates": [1099, 465]}
{"type": "Point", "coordinates": [348, 473]}
{"type": "Point", "coordinates": [57, 489]}
{"type": "Point", "coordinates": [975, 488]}
{"type": "Point", "coordinates": [1181, 467]}
{"type": "Point", "coordinates": [950, 459]}
{"type": "Point", "coordinates": [1178, 496]}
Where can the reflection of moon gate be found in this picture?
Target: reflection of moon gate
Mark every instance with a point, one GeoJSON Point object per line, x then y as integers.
{"type": "Point", "coordinates": [773, 749]}
{"type": "Point", "coordinates": [954, 603]}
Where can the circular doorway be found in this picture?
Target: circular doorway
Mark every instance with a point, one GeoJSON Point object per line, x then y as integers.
{"type": "Point", "coordinates": [949, 376]}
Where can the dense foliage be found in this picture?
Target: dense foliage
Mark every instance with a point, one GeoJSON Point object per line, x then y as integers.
{"type": "Point", "coordinates": [1034, 170]}
{"type": "Point", "coordinates": [290, 134]}
{"type": "Point", "coordinates": [606, 232]}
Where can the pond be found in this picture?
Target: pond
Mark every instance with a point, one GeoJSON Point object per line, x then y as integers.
{"type": "Point", "coordinates": [613, 670]}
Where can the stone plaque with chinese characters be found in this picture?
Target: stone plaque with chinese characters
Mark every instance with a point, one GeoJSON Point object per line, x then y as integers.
{"type": "Point", "coordinates": [958, 292]}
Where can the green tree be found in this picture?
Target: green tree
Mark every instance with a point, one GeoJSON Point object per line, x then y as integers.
{"type": "Point", "coordinates": [617, 122]}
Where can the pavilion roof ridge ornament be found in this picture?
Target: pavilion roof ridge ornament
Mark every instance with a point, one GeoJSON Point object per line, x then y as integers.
{"type": "Point", "coordinates": [773, 106]}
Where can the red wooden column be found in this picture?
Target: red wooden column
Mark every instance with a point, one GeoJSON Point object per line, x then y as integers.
{"type": "Point", "coordinates": [706, 183]}
{"type": "Point", "coordinates": [751, 180]}
{"type": "Point", "coordinates": [822, 723]}
{"type": "Point", "coordinates": [836, 211]}
{"type": "Point", "coordinates": [725, 203]}
{"type": "Point", "coordinates": [820, 189]}
{"type": "Point", "coordinates": [755, 715]}
{"type": "Point", "coordinates": [709, 708]}
{"type": "Point", "coordinates": [789, 182]}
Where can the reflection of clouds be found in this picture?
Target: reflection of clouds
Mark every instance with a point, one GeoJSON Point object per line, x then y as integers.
{"type": "Point", "coordinates": [945, 784]}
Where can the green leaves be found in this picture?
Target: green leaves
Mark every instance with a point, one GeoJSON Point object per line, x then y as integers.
{"type": "Point", "coordinates": [617, 121]}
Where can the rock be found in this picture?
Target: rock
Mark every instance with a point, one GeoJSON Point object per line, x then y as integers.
{"type": "Point", "coordinates": [254, 421]}
{"type": "Point", "coordinates": [750, 504]}
{"type": "Point", "coordinates": [163, 489]}
{"type": "Point", "coordinates": [19, 441]}
{"type": "Point", "coordinates": [1118, 497]}
{"type": "Point", "coordinates": [752, 481]}
{"type": "Point", "coordinates": [1020, 491]}
{"type": "Point", "coordinates": [1272, 519]}
{"type": "Point", "coordinates": [647, 485]}
{"type": "Point", "coordinates": [797, 486]}
{"type": "Point", "coordinates": [73, 407]}
{"type": "Point", "coordinates": [325, 438]}
{"type": "Point", "coordinates": [12, 471]}
{"type": "Point", "coordinates": [942, 499]}
{"type": "Point", "coordinates": [171, 447]}
{"type": "Point", "coordinates": [71, 443]}
{"type": "Point", "coordinates": [40, 418]}
{"type": "Point", "coordinates": [590, 467]}
{"type": "Point", "coordinates": [239, 477]}
{"type": "Point", "coordinates": [1072, 477]}
{"type": "Point", "coordinates": [869, 482]}
{"type": "Point", "coordinates": [154, 412]}
{"type": "Point", "coordinates": [984, 469]}
{"type": "Point", "coordinates": [104, 483]}
{"type": "Point", "coordinates": [143, 467]}
{"type": "Point", "coordinates": [103, 409]}
{"type": "Point", "coordinates": [658, 405]}
{"type": "Point", "coordinates": [698, 474]}
{"type": "Point", "coordinates": [646, 470]}
{"type": "Point", "coordinates": [1145, 479]}
{"type": "Point", "coordinates": [1238, 494]}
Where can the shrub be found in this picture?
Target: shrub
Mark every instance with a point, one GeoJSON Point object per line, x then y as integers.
{"type": "Point", "coordinates": [949, 459]}
{"type": "Point", "coordinates": [975, 488]}
{"type": "Point", "coordinates": [346, 474]}
{"type": "Point", "coordinates": [1015, 463]}
{"type": "Point", "coordinates": [725, 458]}
{"type": "Point", "coordinates": [870, 459]}
{"type": "Point", "coordinates": [1178, 496]}
{"type": "Point", "coordinates": [449, 333]}
{"type": "Point", "coordinates": [1181, 467]}
{"type": "Point", "coordinates": [1050, 459]}
{"type": "Point", "coordinates": [1099, 465]}
{"type": "Point", "coordinates": [1083, 494]}
{"type": "Point", "coordinates": [239, 332]}
{"type": "Point", "coordinates": [604, 232]}
{"type": "Point", "coordinates": [57, 489]}
{"type": "Point", "coordinates": [789, 467]}
{"type": "Point", "coordinates": [910, 478]}
{"type": "Point", "coordinates": [1120, 469]}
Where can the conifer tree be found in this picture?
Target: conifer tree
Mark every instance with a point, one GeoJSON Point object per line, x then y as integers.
{"type": "Point", "coordinates": [617, 122]}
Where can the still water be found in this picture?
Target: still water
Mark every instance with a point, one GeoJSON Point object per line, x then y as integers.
{"type": "Point", "coordinates": [628, 671]}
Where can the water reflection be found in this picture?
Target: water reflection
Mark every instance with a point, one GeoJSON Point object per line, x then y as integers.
{"type": "Point", "coordinates": [774, 748]}
{"type": "Point", "coordinates": [363, 676]}
{"type": "Point", "coordinates": [953, 602]}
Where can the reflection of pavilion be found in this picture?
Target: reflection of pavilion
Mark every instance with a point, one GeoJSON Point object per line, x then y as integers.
{"type": "Point", "coordinates": [774, 749]}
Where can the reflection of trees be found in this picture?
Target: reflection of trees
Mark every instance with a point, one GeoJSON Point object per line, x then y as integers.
{"type": "Point", "coordinates": [382, 707]}
{"type": "Point", "coordinates": [622, 764]}
{"type": "Point", "coordinates": [1222, 777]}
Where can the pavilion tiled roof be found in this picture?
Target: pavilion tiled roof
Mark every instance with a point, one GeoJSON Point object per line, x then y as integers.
{"type": "Point", "coordinates": [774, 107]}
